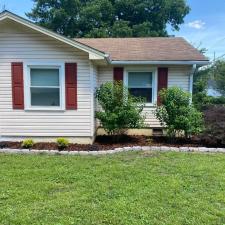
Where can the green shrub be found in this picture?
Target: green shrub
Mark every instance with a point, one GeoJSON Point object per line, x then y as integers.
{"type": "Point", "coordinates": [176, 113]}
{"type": "Point", "coordinates": [201, 99]}
{"type": "Point", "coordinates": [62, 143]}
{"type": "Point", "coordinates": [200, 96]}
{"type": "Point", "coordinates": [218, 100]}
{"type": "Point", "coordinates": [120, 111]}
{"type": "Point", "coordinates": [28, 143]}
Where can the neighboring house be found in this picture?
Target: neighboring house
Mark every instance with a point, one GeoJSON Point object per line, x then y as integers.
{"type": "Point", "coordinates": [47, 81]}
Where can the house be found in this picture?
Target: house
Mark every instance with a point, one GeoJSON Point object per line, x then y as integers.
{"type": "Point", "coordinates": [47, 81]}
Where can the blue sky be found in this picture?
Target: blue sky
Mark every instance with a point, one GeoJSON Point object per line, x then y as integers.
{"type": "Point", "coordinates": [204, 26]}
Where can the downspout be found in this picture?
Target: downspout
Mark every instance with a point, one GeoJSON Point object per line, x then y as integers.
{"type": "Point", "coordinates": [194, 67]}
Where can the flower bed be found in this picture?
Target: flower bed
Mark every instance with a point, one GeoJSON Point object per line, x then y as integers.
{"type": "Point", "coordinates": [108, 143]}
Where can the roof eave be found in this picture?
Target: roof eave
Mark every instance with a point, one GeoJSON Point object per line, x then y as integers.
{"type": "Point", "coordinates": [160, 62]}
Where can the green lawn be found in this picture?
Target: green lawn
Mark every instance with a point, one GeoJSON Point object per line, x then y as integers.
{"type": "Point", "coordinates": [124, 189]}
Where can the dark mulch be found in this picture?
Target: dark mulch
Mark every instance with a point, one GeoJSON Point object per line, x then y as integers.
{"type": "Point", "coordinates": [107, 143]}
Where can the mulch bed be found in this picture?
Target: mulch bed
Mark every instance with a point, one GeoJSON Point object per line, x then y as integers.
{"type": "Point", "coordinates": [109, 143]}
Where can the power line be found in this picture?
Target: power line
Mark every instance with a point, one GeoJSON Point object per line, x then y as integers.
{"type": "Point", "coordinates": [217, 42]}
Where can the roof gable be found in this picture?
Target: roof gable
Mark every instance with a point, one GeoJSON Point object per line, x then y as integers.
{"type": "Point", "coordinates": [93, 53]}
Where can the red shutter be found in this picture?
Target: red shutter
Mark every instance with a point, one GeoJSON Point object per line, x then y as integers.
{"type": "Point", "coordinates": [71, 85]}
{"type": "Point", "coordinates": [17, 85]}
{"type": "Point", "coordinates": [162, 80]}
{"type": "Point", "coordinates": [118, 74]}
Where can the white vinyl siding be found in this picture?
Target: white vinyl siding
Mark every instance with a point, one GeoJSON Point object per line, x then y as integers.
{"type": "Point", "coordinates": [94, 77]}
{"type": "Point", "coordinates": [20, 44]}
{"type": "Point", "coordinates": [105, 74]}
{"type": "Point", "coordinates": [177, 76]}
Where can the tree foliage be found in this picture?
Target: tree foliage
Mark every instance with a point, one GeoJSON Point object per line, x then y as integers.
{"type": "Point", "coordinates": [213, 77]}
{"type": "Point", "coordinates": [120, 111]}
{"type": "Point", "coordinates": [218, 71]}
{"type": "Point", "coordinates": [109, 18]}
{"type": "Point", "coordinates": [176, 113]}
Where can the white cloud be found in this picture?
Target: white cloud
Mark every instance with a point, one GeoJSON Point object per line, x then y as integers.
{"type": "Point", "coordinates": [196, 24]}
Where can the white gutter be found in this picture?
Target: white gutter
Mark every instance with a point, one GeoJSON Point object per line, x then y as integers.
{"type": "Point", "coordinates": [202, 63]}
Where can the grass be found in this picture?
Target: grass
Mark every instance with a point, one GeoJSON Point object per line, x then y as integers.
{"type": "Point", "coordinates": [123, 189]}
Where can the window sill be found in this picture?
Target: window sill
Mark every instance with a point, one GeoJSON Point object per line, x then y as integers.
{"type": "Point", "coordinates": [150, 105]}
{"type": "Point", "coordinates": [45, 109]}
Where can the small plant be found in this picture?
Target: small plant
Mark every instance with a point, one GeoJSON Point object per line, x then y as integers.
{"type": "Point", "coordinates": [62, 143]}
{"type": "Point", "coordinates": [28, 143]}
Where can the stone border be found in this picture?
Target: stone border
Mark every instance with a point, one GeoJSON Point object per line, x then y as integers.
{"type": "Point", "coordinates": [116, 150]}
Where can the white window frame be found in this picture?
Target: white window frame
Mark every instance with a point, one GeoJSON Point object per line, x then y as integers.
{"type": "Point", "coordinates": [154, 81]}
{"type": "Point", "coordinates": [39, 65]}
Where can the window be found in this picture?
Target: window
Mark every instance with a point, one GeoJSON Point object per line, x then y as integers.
{"type": "Point", "coordinates": [140, 85]}
{"type": "Point", "coordinates": [44, 88]}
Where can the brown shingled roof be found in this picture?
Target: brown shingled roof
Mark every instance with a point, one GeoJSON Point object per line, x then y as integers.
{"type": "Point", "coordinates": [145, 49]}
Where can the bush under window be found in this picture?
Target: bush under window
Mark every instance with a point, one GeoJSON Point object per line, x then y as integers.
{"type": "Point", "coordinates": [119, 109]}
{"type": "Point", "coordinates": [177, 115]}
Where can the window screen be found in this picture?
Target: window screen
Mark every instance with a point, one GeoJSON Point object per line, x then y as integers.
{"type": "Point", "coordinates": [140, 85]}
{"type": "Point", "coordinates": [45, 87]}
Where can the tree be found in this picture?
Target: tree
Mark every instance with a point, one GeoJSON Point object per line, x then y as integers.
{"type": "Point", "coordinates": [120, 111]}
{"type": "Point", "coordinates": [200, 86]}
{"type": "Point", "coordinates": [219, 76]}
{"type": "Point", "coordinates": [177, 114]}
{"type": "Point", "coordinates": [214, 77]}
{"type": "Point", "coordinates": [109, 18]}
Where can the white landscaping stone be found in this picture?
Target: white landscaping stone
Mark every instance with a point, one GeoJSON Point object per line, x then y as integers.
{"type": "Point", "coordinates": [118, 149]}
{"type": "Point", "coordinates": [203, 149]}
{"type": "Point", "coordinates": [212, 149]}
{"type": "Point", "coordinates": [104, 152]}
{"type": "Point", "coordinates": [63, 153]}
{"type": "Point", "coordinates": [93, 153]}
{"type": "Point", "coordinates": [73, 153]}
{"type": "Point", "coordinates": [222, 150]}
{"type": "Point", "coordinates": [155, 148]}
{"type": "Point", "coordinates": [83, 153]}
{"type": "Point", "coordinates": [111, 151]}
{"type": "Point", "coordinates": [2, 150]}
{"type": "Point", "coordinates": [146, 148]}
{"type": "Point", "coordinates": [53, 152]}
{"type": "Point", "coordinates": [12, 151]}
{"type": "Point", "coordinates": [5, 150]}
{"type": "Point", "coordinates": [136, 148]}
{"type": "Point", "coordinates": [174, 149]}
{"type": "Point", "coordinates": [193, 149]}
{"type": "Point", "coordinates": [127, 148]}
{"type": "Point", "coordinates": [164, 148]}
{"type": "Point", "coordinates": [33, 151]}
{"type": "Point", "coordinates": [24, 151]}
{"type": "Point", "coordinates": [43, 151]}
{"type": "Point", "coordinates": [184, 149]}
